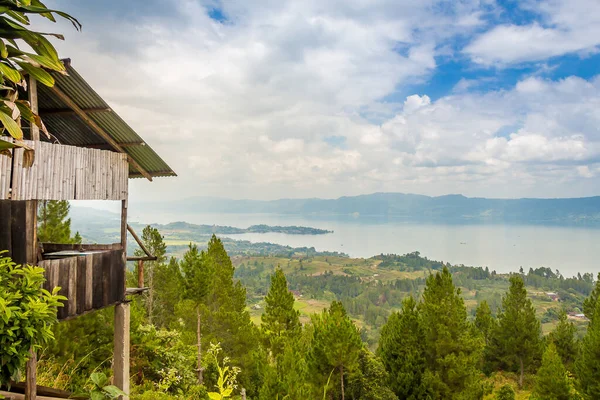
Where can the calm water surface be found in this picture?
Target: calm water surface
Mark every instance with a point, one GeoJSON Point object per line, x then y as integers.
{"type": "Point", "coordinates": [500, 247]}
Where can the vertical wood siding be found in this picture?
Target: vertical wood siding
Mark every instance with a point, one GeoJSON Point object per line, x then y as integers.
{"type": "Point", "coordinates": [64, 173]}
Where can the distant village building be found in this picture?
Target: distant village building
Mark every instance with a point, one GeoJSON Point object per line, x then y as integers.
{"type": "Point", "coordinates": [296, 293]}
{"type": "Point", "coordinates": [553, 296]}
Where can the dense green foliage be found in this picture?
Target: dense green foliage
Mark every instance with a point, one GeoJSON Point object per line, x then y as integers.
{"type": "Point", "coordinates": [280, 321]}
{"type": "Point", "coordinates": [27, 313]}
{"type": "Point", "coordinates": [428, 345]}
{"type": "Point", "coordinates": [588, 362]}
{"type": "Point", "coordinates": [551, 382]}
{"type": "Point", "coordinates": [38, 56]}
{"type": "Point", "coordinates": [515, 342]}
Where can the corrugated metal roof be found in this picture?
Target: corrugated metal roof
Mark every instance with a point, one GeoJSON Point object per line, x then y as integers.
{"type": "Point", "coordinates": [70, 129]}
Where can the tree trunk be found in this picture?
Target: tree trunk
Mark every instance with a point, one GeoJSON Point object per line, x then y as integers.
{"type": "Point", "coordinates": [342, 379]}
{"type": "Point", "coordinates": [199, 338]}
{"type": "Point", "coordinates": [521, 376]}
{"type": "Point", "coordinates": [150, 273]}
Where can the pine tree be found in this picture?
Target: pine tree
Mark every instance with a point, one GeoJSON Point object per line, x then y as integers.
{"type": "Point", "coordinates": [369, 381]}
{"type": "Point", "coordinates": [336, 343]}
{"type": "Point", "coordinates": [402, 352]}
{"type": "Point", "coordinates": [197, 278]}
{"type": "Point", "coordinates": [589, 304]}
{"type": "Point", "coordinates": [54, 226]}
{"type": "Point", "coordinates": [168, 292]}
{"type": "Point", "coordinates": [515, 343]}
{"type": "Point", "coordinates": [563, 337]}
{"type": "Point", "coordinates": [588, 361]}
{"type": "Point", "coordinates": [551, 382]}
{"type": "Point", "coordinates": [484, 320]}
{"type": "Point", "coordinates": [154, 243]}
{"type": "Point", "coordinates": [451, 349]}
{"type": "Point", "coordinates": [280, 320]}
{"type": "Point", "coordinates": [220, 304]}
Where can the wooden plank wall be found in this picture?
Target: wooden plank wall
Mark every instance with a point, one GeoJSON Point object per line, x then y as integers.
{"type": "Point", "coordinates": [17, 230]}
{"type": "Point", "coordinates": [89, 282]}
{"type": "Point", "coordinates": [65, 173]}
{"type": "Point", "coordinates": [5, 173]}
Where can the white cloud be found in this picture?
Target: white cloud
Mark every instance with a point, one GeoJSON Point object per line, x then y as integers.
{"type": "Point", "coordinates": [243, 109]}
{"type": "Point", "coordinates": [568, 26]}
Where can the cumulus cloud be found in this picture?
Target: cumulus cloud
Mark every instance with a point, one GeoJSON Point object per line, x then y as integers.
{"type": "Point", "coordinates": [247, 107]}
{"type": "Point", "coordinates": [567, 26]}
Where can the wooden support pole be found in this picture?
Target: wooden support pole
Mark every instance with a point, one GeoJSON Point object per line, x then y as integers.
{"type": "Point", "coordinates": [31, 375]}
{"type": "Point", "coordinates": [121, 350]}
{"type": "Point", "coordinates": [31, 255]}
{"type": "Point", "coordinates": [141, 273]}
{"type": "Point", "coordinates": [139, 242]}
{"type": "Point", "coordinates": [122, 321]}
{"type": "Point", "coordinates": [99, 131]}
{"type": "Point", "coordinates": [33, 103]}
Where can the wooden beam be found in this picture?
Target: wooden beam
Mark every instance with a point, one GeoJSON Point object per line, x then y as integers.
{"type": "Point", "coordinates": [54, 247]}
{"type": "Point", "coordinates": [33, 104]}
{"type": "Point", "coordinates": [151, 258]}
{"type": "Point", "coordinates": [67, 111]}
{"type": "Point", "coordinates": [139, 242]}
{"type": "Point", "coordinates": [69, 102]}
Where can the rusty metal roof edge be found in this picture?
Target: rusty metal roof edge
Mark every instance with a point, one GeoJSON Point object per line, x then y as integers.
{"type": "Point", "coordinates": [79, 89]}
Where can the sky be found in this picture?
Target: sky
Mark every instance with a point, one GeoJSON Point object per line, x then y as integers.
{"type": "Point", "coordinates": [270, 99]}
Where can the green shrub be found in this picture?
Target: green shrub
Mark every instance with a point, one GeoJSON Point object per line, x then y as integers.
{"type": "Point", "coordinates": [506, 392]}
{"type": "Point", "coordinates": [27, 313]}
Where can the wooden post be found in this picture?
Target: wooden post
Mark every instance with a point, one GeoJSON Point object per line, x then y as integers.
{"type": "Point", "coordinates": [122, 321]}
{"type": "Point", "coordinates": [121, 352]}
{"type": "Point", "coordinates": [33, 102]}
{"type": "Point", "coordinates": [30, 383]}
{"type": "Point", "coordinates": [140, 273]}
{"type": "Point", "coordinates": [31, 255]}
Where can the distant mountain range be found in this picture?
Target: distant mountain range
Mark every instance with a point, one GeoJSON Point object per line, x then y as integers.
{"type": "Point", "coordinates": [409, 207]}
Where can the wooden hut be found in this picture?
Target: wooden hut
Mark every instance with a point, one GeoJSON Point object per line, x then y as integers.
{"type": "Point", "coordinates": [90, 155]}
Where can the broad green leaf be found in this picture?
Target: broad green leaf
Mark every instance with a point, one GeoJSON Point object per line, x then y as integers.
{"type": "Point", "coordinates": [39, 74]}
{"type": "Point", "coordinates": [10, 73]}
{"type": "Point", "coordinates": [113, 391]}
{"type": "Point", "coordinates": [3, 49]}
{"type": "Point", "coordinates": [11, 126]}
{"type": "Point", "coordinates": [214, 396]}
{"type": "Point", "coordinates": [99, 379]}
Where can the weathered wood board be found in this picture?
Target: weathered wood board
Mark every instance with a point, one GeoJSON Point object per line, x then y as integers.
{"type": "Point", "coordinates": [89, 282]}
{"type": "Point", "coordinates": [64, 173]}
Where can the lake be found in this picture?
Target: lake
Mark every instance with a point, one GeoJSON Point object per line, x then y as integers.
{"type": "Point", "coordinates": [501, 247]}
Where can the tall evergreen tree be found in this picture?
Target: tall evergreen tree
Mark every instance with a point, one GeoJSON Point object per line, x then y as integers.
{"type": "Point", "coordinates": [168, 290]}
{"type": "Point", "coordinates": [563, 337]}
{"type": "Point", "coordinates": [515, 343]}
{"type": "Point", "coordinates": [155, 244]}
{"type": "Point", "coordinates": [587, 365]}
{"type": "Point", "coordinates": [197, 278]}
{"type": "Point", "coordinates": [54, 226]}
{"type": "Point", "coordinates": [280, 321]}
{"type": "Point", "coordinates": [402, 351]}
{"type": "Point", "coordinates": [589, 304]}
{"type": "Point", "coordinates": [369, 381]}
{"type": "Point", "coordinates": [484, 320]}
{"type": "Point", "coordinates": [451, 349]}
{"type": "Point", "coordinates": [220, 304]}
{"type": "Point", "coordinates": [551, 382]}
{"type": "Point", "coordinates": [336, 343]}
